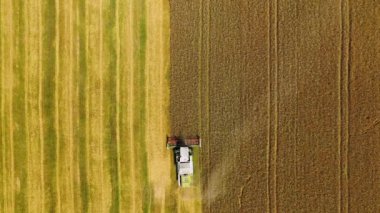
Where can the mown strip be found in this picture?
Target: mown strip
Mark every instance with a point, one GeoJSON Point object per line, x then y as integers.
{"type": "Point", "coordinates": [139, 103]}
{"type": "Point", "coordinates": [74, 111]}
{"type": "Point", "coordinates": [82, 100]}
{"type": "Point", "coordinates": [98, 180]}
{"type": "Point", "coordinates": [109, 99]}
{"type": "Point", "coordinates": [159, 160]}
{"type": "Point", "coordinates": [48, 103]}
{"type": "Point", "coordinates": [18, 125]}
{"type": "Point", "coordinates": [64, 88]}
{"type": "Point", "coordinates": [7, 60]}
{"type": "Point", "coordinates": [125, 32]}
{"type": "Point", "coordinates": [74, 107]}
{"type": "Point", "coordinates": [35, 191]}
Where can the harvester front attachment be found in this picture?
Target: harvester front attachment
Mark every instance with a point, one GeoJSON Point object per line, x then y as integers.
{"type": "Point", "coordinates": [174, 141]}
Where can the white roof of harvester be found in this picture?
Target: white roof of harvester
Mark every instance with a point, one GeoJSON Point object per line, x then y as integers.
{"type": "Point", "coordinates": [184, 154]}
{"type": "Point", "coordinates": [185, 164]}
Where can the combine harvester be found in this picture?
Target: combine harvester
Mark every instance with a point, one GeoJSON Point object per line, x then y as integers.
{"type": "Point", "coordinates": [183, 157]}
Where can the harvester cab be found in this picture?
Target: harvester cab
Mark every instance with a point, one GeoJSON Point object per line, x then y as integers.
{"type": "Point", "coordinates": [183, 157]}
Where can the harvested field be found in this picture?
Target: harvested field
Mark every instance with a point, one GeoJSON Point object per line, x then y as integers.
{"type": "Point", "coordinates": [84, 107]}
{"type": "Point", "coordinates": [286, 96]}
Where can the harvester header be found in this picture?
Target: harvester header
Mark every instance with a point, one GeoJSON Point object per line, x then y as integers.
{"type": "Point", "coordinates": [175, 141]}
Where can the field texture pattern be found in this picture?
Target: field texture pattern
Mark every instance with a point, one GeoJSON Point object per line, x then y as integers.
{"type": "Point", "coordinates": [84, 106]}
{"type": "Point", "coordinates": [286, 96]}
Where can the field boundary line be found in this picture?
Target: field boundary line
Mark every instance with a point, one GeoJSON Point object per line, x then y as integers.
{"type": "Point", "coordinates": [162, 100]}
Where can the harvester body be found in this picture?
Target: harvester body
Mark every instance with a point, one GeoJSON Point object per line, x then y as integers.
{"type": "Point", "coordinates": [183, 158]}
